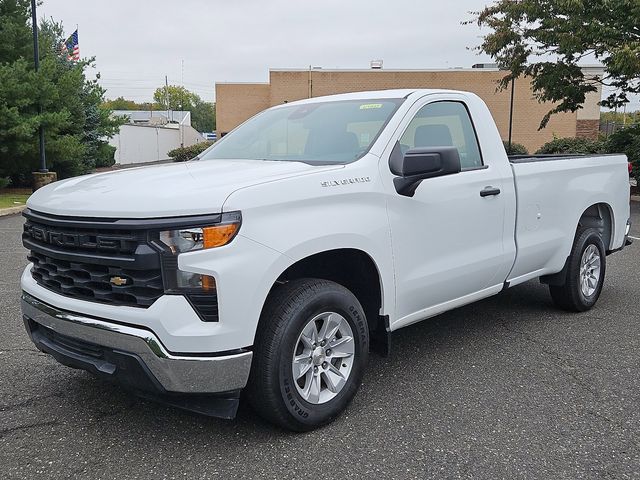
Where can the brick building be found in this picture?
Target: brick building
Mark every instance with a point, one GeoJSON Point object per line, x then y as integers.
{"type": "Point", "coordinates": [236, 102]}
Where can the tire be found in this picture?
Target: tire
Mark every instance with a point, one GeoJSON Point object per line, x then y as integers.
{"type": "Point", "coordinates": [286, 331]}
{"type": "Point", "coordinates": [574, 296]}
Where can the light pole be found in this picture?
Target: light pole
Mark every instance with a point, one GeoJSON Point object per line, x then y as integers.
{"type": "Point", "coordinates": [511, 115]}
{"type": "Point", "coordinates": [36, 63]}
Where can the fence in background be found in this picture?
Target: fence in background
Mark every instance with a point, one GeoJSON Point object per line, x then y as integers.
{"type": "Point", "coordinates": [608, 128]}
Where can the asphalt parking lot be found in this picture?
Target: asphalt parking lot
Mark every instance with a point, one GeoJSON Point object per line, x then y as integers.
{"type": "Point", "coordinates": [506, 388]}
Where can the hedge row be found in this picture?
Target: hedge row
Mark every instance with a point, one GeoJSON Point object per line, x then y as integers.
{"type": "Point", "coordinates": [516, 148]}
{"type": "Point", "coordinates": [626, 141]}
{"type": "Point", "coordinates": [183, 154]}
{"type": "Point", "coordinates": [573, 145]}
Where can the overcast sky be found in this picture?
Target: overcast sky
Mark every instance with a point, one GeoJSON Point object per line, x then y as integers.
{"type": "Point", "coordinates": [137, 43]}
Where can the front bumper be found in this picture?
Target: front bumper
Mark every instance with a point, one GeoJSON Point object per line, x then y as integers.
{"type": "Point", "coordinates": [132, 356]}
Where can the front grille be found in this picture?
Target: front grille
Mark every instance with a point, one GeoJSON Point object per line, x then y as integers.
{"type": "Point", "coordinates": [92, 282]}
{"type": "Point", "coordinates": [100, 261]}
{"type": "Point", "coordinates": [86, 240]}
{"type": "Point", "coordinates": [112, 261]}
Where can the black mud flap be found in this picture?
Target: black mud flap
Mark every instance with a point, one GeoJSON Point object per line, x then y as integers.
{"type": "Point", "coordinates": [219, 405]}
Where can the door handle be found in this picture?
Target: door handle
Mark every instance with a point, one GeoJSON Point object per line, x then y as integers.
{"type": "Point", "coordinates": [489, 191]}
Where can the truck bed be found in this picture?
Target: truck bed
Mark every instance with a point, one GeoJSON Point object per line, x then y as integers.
{"type": "Point", "coordinates": [551, 197]}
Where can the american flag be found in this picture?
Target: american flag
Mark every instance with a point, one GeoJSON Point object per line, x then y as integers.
{"type": "Point", "coordinates": [71, 48]}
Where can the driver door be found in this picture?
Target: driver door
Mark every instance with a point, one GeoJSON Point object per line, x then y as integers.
{"type": "Point", "coordinates": [447, 238]}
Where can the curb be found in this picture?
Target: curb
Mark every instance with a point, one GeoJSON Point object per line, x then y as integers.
{"type": "Point", "coordinates": [11, 210]}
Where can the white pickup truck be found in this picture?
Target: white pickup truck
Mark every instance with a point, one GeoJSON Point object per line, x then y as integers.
{"type": "Point", "coordinates": [278, 258]}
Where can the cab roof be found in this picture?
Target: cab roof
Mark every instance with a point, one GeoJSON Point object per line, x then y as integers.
{"type": "Point", "coordinates": [374, 95]}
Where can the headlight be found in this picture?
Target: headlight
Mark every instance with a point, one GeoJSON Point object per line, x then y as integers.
{"type": "Point", "coordinates": [191, 239]}
{"type": "Point", "coordinates": [198, 238]}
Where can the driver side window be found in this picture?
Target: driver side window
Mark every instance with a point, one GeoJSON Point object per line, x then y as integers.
{"type": "Point", "coordinates": [444, 124]}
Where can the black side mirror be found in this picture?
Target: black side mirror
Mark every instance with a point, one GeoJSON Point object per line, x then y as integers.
{"type": "Point", "coordinates": [418, 164]}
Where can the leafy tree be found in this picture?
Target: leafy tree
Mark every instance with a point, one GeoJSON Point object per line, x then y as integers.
{"type": "Point", "coordinates": [619, 117]}
{"type": "Point", "coordinates": [121, 103]}
{"type": "Point", "coordinates": [546, 40]}
{"type": "Point", "coordinates": [75, 123]}
{"type": "Point", "coordinates": [175, 97]}
{"type": "Point", "coordinates": [203, 116]}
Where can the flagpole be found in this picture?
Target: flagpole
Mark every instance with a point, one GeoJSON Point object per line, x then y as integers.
{"type": "Point", "coordinates": [36, 63]}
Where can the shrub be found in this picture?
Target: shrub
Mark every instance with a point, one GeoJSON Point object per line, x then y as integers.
{"type": "Point", "coordinates": [4, 182]}
{"type": "Point", "coordinates": [573, 145]}
{"type": "Point", "coordinates": [516, 148]}
{"type": "Point", "coordinates": [627, 141]}
{"type": "Point", "coordinates": [104, 156]}
{"type": "Point", "coordinates": [187, 153]}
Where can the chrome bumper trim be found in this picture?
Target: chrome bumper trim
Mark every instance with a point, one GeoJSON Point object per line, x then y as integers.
{"type": "Point", "coordinates": [176, 373]}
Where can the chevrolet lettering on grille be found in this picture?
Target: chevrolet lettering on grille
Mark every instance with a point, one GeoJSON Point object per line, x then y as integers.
{"type": "Point", "coordinates": [69, 239]}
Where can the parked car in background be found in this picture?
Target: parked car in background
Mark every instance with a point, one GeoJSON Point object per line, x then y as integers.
{"type": "Point", "coordinates": [211, 136]}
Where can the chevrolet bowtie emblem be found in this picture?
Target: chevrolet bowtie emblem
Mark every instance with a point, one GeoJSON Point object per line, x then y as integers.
{"type": "Point", "coordinates": [118, 281]}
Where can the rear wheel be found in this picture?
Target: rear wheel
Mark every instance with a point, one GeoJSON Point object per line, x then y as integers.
{"type": "Point", "coordinates": [584, 275]}
{"type": "Point", "coordinates": [310, 352]}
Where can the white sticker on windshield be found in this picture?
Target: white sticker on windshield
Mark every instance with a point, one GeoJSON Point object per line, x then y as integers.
{"type": "Point", "coordinates": [367, 106]}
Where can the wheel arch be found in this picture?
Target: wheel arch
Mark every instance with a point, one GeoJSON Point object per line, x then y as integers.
{"type": "Point", "coordinates": [355, 270]}
{"type": "Point", "coordinates": [599, 216]}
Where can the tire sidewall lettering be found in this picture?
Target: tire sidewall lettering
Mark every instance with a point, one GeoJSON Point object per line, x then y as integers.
{"type": "Point", "coordinates": [291, 398]}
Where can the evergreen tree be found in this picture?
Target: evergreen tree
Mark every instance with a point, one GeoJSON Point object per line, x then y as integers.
{"type": "Point", "coordinates": [75, 122]}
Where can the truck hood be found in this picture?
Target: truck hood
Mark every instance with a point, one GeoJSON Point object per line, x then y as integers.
{"type": "Point", "coordinates": [191, 188]}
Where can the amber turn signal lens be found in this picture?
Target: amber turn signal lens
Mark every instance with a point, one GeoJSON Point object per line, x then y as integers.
{"type": "Point", "coordinates": [219, 235]}
{"type": "Point", "coordinates": [208, 283]}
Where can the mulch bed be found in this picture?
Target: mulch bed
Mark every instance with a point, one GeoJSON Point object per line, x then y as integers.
{"type": "Point", "coordinates": [17, 191]}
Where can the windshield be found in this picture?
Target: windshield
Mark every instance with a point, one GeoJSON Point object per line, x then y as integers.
{"type": "Point", "coordinates": [315, 133]}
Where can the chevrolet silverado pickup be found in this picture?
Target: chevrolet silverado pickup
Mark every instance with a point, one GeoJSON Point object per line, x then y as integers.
{"type": "Point", "coordinates": [276, 260]}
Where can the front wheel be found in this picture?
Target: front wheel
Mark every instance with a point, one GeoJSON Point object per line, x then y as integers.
{"type": "Point", "coordinates": [585, 273]}
{"type": "Point", "coordinates": [310, 352]}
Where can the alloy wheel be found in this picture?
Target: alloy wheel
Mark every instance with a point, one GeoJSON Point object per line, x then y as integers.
{"type": "Point", "coordinates": [323, 357]}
